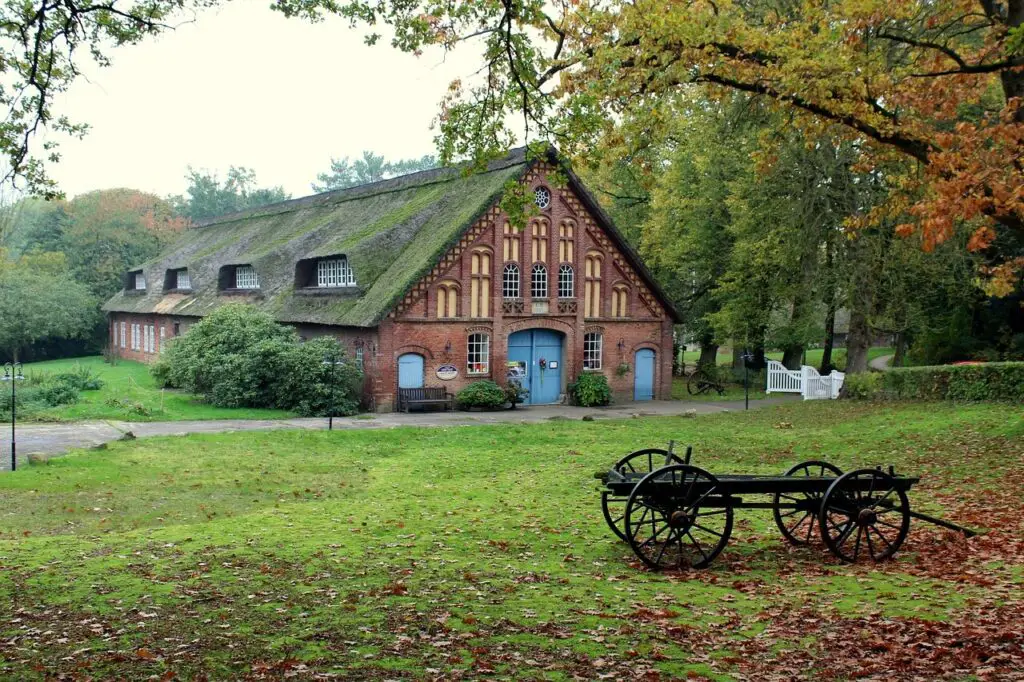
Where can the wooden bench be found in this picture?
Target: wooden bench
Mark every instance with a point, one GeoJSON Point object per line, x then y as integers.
{"type": "Point", "coordinates": [409, 397]}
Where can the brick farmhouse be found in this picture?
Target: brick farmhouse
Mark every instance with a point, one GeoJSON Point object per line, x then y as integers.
{"type": "Point", "coordinates": [426, 282]}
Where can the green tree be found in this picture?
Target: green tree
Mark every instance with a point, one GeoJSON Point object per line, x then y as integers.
{"type": "Point", "coordinates": [209, 197]}
{"type": "Point", "coordinates": [370, 168]}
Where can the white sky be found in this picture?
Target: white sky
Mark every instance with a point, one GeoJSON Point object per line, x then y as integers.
{"type": "Point", "coordinates": [244, 86]}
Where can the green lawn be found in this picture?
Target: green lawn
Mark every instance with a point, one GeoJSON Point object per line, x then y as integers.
{"type": "Point", "coordinates": [461, 553]}
{"type": "Point", "coordinates": [137, 394]}
{"type": "Point", "coordinates": [813, 356]}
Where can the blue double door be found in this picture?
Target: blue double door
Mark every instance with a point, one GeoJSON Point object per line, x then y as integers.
{"type": "Point", "coordinates": [535, 355]}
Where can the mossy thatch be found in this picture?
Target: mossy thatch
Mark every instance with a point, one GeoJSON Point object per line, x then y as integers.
{"type": "Point", "coordinates": [392, 232]}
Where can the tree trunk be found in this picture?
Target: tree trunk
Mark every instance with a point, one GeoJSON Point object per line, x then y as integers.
{"type": "Point", "coordinates": [737, 356]}
{"type": "Point", "coordinates": [708, 354]}
{"type": "Point", "coordinates": [830, 338]}
{"type": "Point", "coordinates": [792, 356]}
{"type": "Point", "coordinates": [901, 350]}
{"type": "Point", "coordinates": [858, 340]}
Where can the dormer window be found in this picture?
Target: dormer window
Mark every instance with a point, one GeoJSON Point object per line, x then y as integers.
{"type": "Point", "coordinates": [334, 272]}
{"type": "Point", "coordinates": [140, 281]}
{"type": "Point", "coordinates": [246, 278]}
{"type": "Point", "coordinates": [183, 280]}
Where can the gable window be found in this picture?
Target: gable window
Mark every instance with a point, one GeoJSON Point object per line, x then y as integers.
{"type": "Point", "coordinates": [510, 281]}
{"type": "Point", "coordinates": [592, 343]}
{"type": "Point", "coordinates": [592, 293]}
{"type": "Point", "coordinates": [620, 297]}
{"type": "Point", "coordinates": [140, 281]}
{"type": "Point", "coordinates": [510, 242]}
{"type": "Point", "coordinates": [565, 277]}
{"type": "Point", "coordinates": [335, 272]}
{"type": "Point", "coordinates": [245, 277]}
{"type": "Point", "coordinates": [183, 280]}
{"type": "Point", "coordinates": [566, 240]}
{"type": "Point", "coordinates": [448, 300]}
{"type": "Point", "coordinates": [539, 282]}
{"type": "Point", "coordinates": [542, 197]}
{"type": "Point", "coordinates": [480, 284]}
{"type": "Point", "coordinates": [478, 354]}
{"type": "Point", "coordinates": [539, 240]}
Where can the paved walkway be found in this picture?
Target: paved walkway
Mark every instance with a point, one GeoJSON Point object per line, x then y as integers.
{"type": "Point", "coordinates": [881, 363]}
{"type": "Point", "coordinates": [56, 439]}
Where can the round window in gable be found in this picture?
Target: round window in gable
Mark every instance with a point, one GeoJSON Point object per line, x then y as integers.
{"type": "Point", "coordinates": [542, 197]}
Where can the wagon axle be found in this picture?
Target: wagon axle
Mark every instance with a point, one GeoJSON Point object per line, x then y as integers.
{"type": "Point", "coordinates": [675, 515]}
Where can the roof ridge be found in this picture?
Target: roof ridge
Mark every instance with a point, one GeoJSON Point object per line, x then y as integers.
{"type": "Point", "coordinates": [399, 182]}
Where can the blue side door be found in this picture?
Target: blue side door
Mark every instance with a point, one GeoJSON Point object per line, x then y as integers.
{"type": "Point", "coordinates": [410, 371]}
{"type": "Point", "coordinates": [643, 372]}
{"type": "Point", "coordinates": [532, 348]}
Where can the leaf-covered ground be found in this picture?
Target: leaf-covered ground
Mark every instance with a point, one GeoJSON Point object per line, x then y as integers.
{"type": "Point", "coordinates": [481, 552]}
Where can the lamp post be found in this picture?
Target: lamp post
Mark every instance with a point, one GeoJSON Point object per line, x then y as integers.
{"type": "Point", "coordinates": [13, 373]}
{"type": "Point", "coordinates": [747, 357]}
{"type": "Point", "coordinates": [333, 361]}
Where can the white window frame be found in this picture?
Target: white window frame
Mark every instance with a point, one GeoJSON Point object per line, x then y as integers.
{"type": "Point", "coordinates": [542, 197]}
{"type": "Point", "coordinates": [478, 352]}
{"type": "Point", "coordinates": [359, 358]}
{"type": "Point", "coordinates": [539, 281]}
{"type": "Point", "coordinates": [334, 272]}
{"type": "Point", "coordinates": [511, 286]}
{"type": "Point", "coordinates": [184, 280]}
{"type": "Point", "coordinates": [593, 344]}
{"type": "Point", "coordinates": [246, 277]}
{"type": "Point", "coordinates": [135, 336]}
{"type": "Point", "coordinates": [140, 281]}
{"type": "Point", "coordinates": [124, 333]}
{"type": "Point", "coordinates": [566, 281]}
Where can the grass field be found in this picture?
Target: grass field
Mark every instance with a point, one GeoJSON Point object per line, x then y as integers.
{"type": "Point", "coordinates": [131, 384]}
{"type": "Point", "coordinates": [461, 553]}
{"type": "Point", "coordinates": [813, 356]}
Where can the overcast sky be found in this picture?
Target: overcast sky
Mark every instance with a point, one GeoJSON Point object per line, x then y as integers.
{"type": "Point", "coordinates": [244, 86]}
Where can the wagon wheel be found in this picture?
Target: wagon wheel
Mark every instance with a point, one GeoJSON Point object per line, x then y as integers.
{"type": "Point", "coordinates": [698, 383]}
{"type": "Point", "coordinates": [669, 523]}
{"type": "Point", "coordinates": [864, 510]}
{"type": "Point", "coordinates": [799, 525]}
{"type": "Point", "coordinates": [639, 462]}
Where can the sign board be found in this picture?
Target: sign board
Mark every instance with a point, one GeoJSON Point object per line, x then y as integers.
{"type": "Point", "coordinates": [516, 370]}
{"type": "Point", "coordinates": [447, 372]}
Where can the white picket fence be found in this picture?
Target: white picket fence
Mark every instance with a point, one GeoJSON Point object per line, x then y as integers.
{"type": "Point", "coordinates": [806, 381]}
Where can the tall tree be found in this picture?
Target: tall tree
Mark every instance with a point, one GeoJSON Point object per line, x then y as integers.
{"type": "Point", "coordinates": [208, 196]}
{"type": "Point", "coordinates": [938, 82]}
{"type": "Point", "coordinates": [369, 168]}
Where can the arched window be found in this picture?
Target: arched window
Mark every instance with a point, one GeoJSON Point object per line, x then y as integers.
{"type": "Point", "coordinates": [620, 299]}
{"type": "Point", "coordinates": [592, 344]}
{"type": "Point", "coordinates": [510, 281]}
{"type": "Point", "coordinates": [478, 354]}
{"type": "Point", "coordinates": [510, 242]}
{"type": "Point", "coordinates": [448, 300]}
{"type": "Point", "coordinates": [539, 282]}
{"type": "Point", "coordinates": [566, 240]}
{"type": "Point", "coordinates": [480, 284]}
{"type": "Point", "coordinates": [592, 294]}
{"type": "Point", "coordinates": [539, 240]}
{"type": "Point", "coordinates": [565, 277]}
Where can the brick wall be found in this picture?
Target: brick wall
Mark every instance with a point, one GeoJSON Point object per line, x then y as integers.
{"type": "Point", "coordinates": [164, 328]}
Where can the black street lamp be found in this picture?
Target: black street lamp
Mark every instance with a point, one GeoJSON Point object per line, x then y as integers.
{"type": "Point", "coordinates": [747, 357]}
{"type": "Point", "coordinates": [13, 373]}
{"type": "Point", "coordinates": [333, 361]}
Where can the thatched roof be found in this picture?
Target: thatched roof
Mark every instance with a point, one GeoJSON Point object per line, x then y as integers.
{"type": "Point", "coordinates": [392, 232]}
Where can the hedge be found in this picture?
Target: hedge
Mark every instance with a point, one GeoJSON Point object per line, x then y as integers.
{"type": "Point", "coordinates": [991, 381]}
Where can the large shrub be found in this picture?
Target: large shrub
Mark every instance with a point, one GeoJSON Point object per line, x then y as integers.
{"type": "Point", "coordinates": [485, 394]}
{"type": "Point", "coordinates": [996, 381]}
{"type": "Point", "coordinates": [241, 357]}
{"type": "Point", "coordinates": [591, 390]}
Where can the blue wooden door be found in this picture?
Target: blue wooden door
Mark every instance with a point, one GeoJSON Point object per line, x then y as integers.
{"type": "Point", "coordinates": [410, 371]}
{"type": "Point", "coordinates": [643, 373]}
{"type": "Point", "coordinates": [532, 348]}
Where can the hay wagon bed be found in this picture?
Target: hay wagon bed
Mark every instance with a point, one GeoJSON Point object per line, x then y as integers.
{"type": "Point", "coordinates": [676, 515]}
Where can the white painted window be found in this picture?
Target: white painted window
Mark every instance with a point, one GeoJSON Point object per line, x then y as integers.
{"type": "Point", "coordinates": [245, 277]}
{"type": "Point", "coordinates": [184, 280]}
{"type": "Point", "coordinates": [510, 281]}
{"type": "Point", "coordinates": [539, 282]}
{"type": "Point", "coordinates": [123, 334]}
{"type": "Point", "coordinates": [565, 282]}
{"type": "Point", "coordinates": [478, 354]}
{"type": "Point", "coordinates": [335, 272]}
{"type": "Point", "coordinates": [135, 337]}
{"type": "Point", "coordinates": [592, 342]}
{"type": "Point", "coordinates": [140, 281]}
{"type": "Point", "coordinates": [359, 359]}
{"type": "Point", "coordinates": [163, 333]}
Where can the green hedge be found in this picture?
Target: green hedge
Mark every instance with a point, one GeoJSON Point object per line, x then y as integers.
{"type": "Point", "coordinates": [590, 390]}
{"type": "Point", "coordinates": [484, 394]}
{"type": "Point", "coordinates": [993, 381]}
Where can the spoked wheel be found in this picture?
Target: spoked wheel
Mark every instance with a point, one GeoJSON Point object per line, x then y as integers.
{"type": "Point", "coordinates": [799, 525]}
{"type": "Point", "coordinates": [677, 518]}
{"type": "Point", "coordinates": [698, 383]}
{"type": "Point", "coordinates": [639, 462]}
{"type": "Point", "coordinates": [864, 513]}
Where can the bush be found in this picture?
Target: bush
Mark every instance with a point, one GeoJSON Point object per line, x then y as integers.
{"type": "Point", "coordinates": [515, 392]}
{"type": "Point", "coordinates": [320, 389]}
{"type": "Point", "coordinates": [82, 378]}
{"type": "Point", "coordinates": [59, 393]}
{"type": "Point", "coordinates": [485, 394]}
{"type": "Point", "coordinates": [995, 381]}
{"type": "Point", "coordinates": [30, 401]}
{"type": "Point", "coordinates": [591, 390]}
